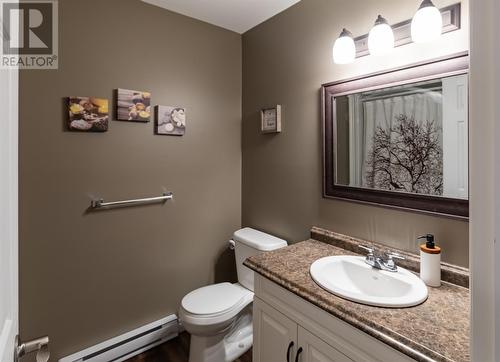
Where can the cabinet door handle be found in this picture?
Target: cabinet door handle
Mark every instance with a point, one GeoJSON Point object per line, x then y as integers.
{"type": "Point", "coordinates": [288, 351]}
{"type": "Point", "coordinates": [299, 351]}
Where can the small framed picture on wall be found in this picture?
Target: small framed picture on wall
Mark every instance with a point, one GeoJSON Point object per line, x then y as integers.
{"type": "Point", "coordinates": [133, 105]}
{"type": "Point", "coordinates": [170, 120]}
{"type": "Point", "coordinates": [270, 120]}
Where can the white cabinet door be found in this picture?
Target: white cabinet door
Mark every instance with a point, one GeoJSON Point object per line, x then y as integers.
{"type": "Point", "coordinates": [313, 349]}
{"type": "Point", "coordinates": [275, 336]}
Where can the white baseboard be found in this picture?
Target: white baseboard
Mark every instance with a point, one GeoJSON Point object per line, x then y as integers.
{"type": "Point", "coordinates": [129, 344]}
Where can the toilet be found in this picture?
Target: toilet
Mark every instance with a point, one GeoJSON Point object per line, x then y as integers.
{"type": "Point", "coordinates": [219, 316]}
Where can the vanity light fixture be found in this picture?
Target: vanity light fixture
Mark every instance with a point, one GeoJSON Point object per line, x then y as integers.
{"type": "Point", "coordinates": [427, 24]}
{"type": "Point", "coordinates": [344, 50]}
{"type": "Point", "coordinates": [381, 37]}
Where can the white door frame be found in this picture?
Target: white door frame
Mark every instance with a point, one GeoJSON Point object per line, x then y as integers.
{"type": "Point", "coordinates": [9, 325]}
{"type": "Point", "coordinates": [497, 180]}
{"type": "Point", "coordinates": [496, 269]}
{"type": "Point", "coordinates": [484, 148]}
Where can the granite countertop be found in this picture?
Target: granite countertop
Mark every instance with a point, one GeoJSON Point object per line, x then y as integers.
{"type": "Point", "coordinates": [436, 330]}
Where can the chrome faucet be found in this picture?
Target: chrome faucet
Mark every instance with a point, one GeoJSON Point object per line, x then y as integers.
{"type": "Point", "coordinates": [384, 261]}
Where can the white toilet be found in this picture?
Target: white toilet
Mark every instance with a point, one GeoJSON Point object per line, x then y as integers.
{"type": "Point", "coordinates": [219, 316]}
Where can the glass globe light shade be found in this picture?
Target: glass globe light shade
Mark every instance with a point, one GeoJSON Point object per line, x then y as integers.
{"type": "Point", "coordinates": [344, 49]}
{"type": "Point", "coordinates": [381, 37]}
{"type": "Point", "coordinates": [427, 24]}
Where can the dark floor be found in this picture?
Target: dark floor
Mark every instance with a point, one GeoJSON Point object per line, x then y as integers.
{"type": "Point", "coordinates": [175, 350]}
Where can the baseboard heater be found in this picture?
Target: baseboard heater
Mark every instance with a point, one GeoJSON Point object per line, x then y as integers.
{"type": "Point", "coordinates": [127, 345]}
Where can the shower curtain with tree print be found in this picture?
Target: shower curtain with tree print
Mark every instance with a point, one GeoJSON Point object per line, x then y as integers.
{"type": "Point", "coordinates": [403, 143]}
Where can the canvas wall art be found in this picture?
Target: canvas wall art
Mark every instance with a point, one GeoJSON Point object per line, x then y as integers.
{"type": "Point", "coordinates": [88, 114]}
{"type": "Point", "coordinates": [133, 105]}
{"type": "Point", "coordinates": [170, 120]}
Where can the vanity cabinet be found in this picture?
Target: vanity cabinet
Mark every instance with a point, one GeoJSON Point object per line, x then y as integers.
{"type": "Point", "coordinates": [315, 350]}
{"type": "Point", "coordinates": [288, 328]}
{"type": "Point", "coordinates": [278, 338]}
{"type": "Point", "coordinates": [275, 335]}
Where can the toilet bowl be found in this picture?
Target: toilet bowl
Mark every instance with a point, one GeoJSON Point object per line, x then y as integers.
{"type": "Point", "coordinates": [219, 316]}
{"type": "Point", "coordinates": [219, 319]}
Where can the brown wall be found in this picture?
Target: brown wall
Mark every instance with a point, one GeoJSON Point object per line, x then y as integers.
{"type": "Point", "coordinates": [86, 277]}
{"type": "Point", "coordinates": [285, 60]}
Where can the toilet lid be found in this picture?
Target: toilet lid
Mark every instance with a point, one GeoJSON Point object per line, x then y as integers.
{"type": "Point", "coordinates": [212, 299]}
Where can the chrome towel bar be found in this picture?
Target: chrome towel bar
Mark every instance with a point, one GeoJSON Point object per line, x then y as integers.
{"type": "Point", "coordinates": [99, 204]}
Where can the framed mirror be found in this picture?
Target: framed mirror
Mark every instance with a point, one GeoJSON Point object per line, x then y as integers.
{"type": "Point", "coordinates": [400, 138]}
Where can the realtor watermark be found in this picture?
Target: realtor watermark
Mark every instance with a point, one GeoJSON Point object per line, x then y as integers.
{"type": "Point", "coordinates": [29, 34]}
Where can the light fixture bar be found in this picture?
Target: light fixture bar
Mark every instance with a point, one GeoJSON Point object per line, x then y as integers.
{"type": "Point", "coordinates": [402, 30]}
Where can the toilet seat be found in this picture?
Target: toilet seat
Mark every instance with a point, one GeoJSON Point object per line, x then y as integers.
{"type": "Point", "coordinates": [212, 299]}
{"type": "Point", "coordinates": [214, 303]}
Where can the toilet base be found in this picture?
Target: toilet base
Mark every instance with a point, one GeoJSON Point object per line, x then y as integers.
{"type": "Point", "coordinates": [224, 347]}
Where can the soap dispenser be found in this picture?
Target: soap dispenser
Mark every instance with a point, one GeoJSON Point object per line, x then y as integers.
{"type": "Point", "coordinates": [430, 261]}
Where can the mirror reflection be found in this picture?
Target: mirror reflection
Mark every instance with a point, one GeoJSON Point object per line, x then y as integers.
{"type": "Point", "coordinates": [410, 138]}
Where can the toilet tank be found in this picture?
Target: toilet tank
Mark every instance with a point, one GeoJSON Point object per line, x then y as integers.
{"type": "Point", "coordinates": [248, 242]}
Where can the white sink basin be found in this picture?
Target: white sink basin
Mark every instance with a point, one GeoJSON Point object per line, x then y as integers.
{"type": "Point", "coordinates": [351, 278]}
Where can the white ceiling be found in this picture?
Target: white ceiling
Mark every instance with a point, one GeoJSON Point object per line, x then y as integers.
{"type": "Point", "coordinates": [235, 15]}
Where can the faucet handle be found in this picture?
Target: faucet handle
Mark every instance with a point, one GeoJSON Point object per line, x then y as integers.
{"type": "Point", "coordinates": [370, 257]}
{"type": "Point", "coordinates": [369, 249]}
{"type": "Point", "coordinates": [390, 264]}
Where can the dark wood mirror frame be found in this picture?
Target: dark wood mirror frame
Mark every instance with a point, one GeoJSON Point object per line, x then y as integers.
{"type": "Point", "coordinates": [442, 67]}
